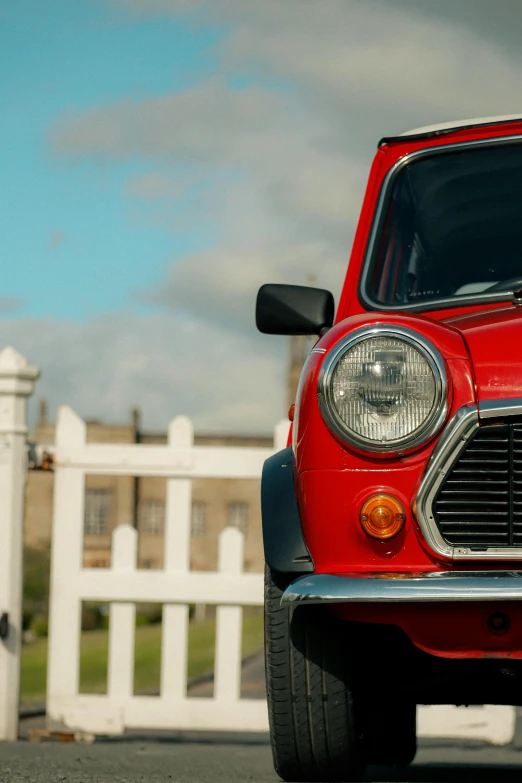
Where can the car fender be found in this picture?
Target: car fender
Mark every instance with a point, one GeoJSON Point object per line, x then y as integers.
{"type": "Point", "coordinates": [283, 539]}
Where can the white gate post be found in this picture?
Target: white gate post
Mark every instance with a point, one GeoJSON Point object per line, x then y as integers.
{"type": "Point", "coordinates": [16, 385]}
{"type": "Point", "coordinates": [63, 664]}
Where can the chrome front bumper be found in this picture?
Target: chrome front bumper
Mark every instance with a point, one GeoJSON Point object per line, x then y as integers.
{"type": "Point", "coordinates": [405, 588]}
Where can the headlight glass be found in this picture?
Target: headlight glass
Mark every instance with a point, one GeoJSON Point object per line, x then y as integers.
{"type": "Point", "coordinates": [384, 391]}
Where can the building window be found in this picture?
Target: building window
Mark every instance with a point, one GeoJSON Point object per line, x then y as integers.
{"type": "Point", "coordinates": [199, 519]}
{"type": "Point", "coordinates": [238, 516]}
{"type": "Point", "coordinates": [152, 517]}
{"type": "Point", "coordinates": [97, 503]}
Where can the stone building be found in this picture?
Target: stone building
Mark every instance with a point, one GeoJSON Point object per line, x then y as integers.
{"type": "Point", "coordinates": [140, 501]}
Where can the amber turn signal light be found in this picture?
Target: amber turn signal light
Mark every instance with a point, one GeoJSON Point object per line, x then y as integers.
{"type": "Point", "coordinates": [382, 516]}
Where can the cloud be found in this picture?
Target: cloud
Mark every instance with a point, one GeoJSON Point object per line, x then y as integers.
{"type": "Point", "coordinates": [501, 28]}
{"type": "Point", "coordinates": [269, 170]}
{"type": "Point", "coordinates": [461, 55]}
{"type": "Point", "coordinates": [475, 15]}
{"type": "Point", "coordinates": [104, 367]}
{"type": "Point", "coordinates": [219, 288]}
{"type": "Point", "coordinates": [279, 166]}
{"type": "Point", "coordinates": [196, 125]}
{"type": "Point", "coordinates": [10, 304]}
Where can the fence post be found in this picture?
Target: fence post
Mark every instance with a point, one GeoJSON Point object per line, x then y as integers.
{"type": "Point", "coordinates": [17, 380]}
{"type": "Point", "coordinates": [176, 558]}
{"type": "Point", "coordinates": [63, 664]}
{"type": "Point", "coordinates": [229, 623]}
{"type": "Point", "coordinates": [122, 619]}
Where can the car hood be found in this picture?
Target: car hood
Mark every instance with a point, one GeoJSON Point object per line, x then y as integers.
{"type": "Point", "coordinates": [494, 340]}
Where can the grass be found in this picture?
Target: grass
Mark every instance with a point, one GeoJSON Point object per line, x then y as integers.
{"type": "Point", "coordinates": [94, 648]}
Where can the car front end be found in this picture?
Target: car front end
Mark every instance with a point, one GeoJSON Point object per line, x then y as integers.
{"type": "Point", "coordinates": [395, 514]}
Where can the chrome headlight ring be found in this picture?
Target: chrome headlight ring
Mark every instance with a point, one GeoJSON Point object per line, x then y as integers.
{"type": "Point", "coordinates": [429, 354]}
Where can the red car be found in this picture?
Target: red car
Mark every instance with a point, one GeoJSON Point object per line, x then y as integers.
{"type": "Point", "coordinates": [392, 523]}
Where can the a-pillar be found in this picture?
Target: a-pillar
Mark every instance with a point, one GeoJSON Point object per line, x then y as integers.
{"type": "Point", "coordinates": [17, 380]}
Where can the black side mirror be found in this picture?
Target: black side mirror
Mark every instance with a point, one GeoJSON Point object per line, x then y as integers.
{"type": "Point", "coordinates": [294, 309]}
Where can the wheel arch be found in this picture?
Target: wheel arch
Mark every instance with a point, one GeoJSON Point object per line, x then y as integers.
{"type": "Point", "coordinates": [283, 540]}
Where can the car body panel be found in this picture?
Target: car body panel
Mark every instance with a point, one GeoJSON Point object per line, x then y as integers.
{"type": "Point", "coordinates": [447, 630]}
{"type": "Point", "coordinates": [495, 345]}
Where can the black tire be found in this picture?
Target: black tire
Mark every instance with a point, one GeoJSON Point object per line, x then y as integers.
{"type": "Point", "coordinates": [314, 726]}
{"type": "Point", "coordinates": [392, 733]}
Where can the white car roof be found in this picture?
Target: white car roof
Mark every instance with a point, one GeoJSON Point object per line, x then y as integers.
{"type": "Point", "coordinates": [462, 124]}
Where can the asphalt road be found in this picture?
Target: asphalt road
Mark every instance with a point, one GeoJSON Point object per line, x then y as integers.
{"type": "Point", "coordinates": [135, 761]}
{"type": "Point", "coordinates": [196, 758]}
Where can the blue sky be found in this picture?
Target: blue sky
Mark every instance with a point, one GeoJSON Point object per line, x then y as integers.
{"type": "Point", "coordinates": [161, 159]}
{"type": "Point", "coordinates": [73, 244]}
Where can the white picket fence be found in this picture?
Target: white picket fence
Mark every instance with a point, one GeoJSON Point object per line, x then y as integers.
{"type": "Point", "coordinates": [123, 585]}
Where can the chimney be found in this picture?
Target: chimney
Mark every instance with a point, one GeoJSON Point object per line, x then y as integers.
{"type": "Point", "coordinates": [136, 422]}
{"type": "Point", "coordinates": [42, 413]}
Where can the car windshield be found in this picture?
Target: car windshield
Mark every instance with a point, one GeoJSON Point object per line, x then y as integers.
{"type": "Point", "coordinates": [452, 228]}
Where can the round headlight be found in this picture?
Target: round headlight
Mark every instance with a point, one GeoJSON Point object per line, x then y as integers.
{"type": "Point", "coordinates": [383, 389]}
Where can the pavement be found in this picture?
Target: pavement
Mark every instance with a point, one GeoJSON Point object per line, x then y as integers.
{"type": "Point", "coordinates": [135, 760]}
{"type": "Point", "coordinates": [182, 757]}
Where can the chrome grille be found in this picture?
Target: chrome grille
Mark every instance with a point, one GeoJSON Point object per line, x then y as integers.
{"type": "Point", "coordinates": [479, 503]}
